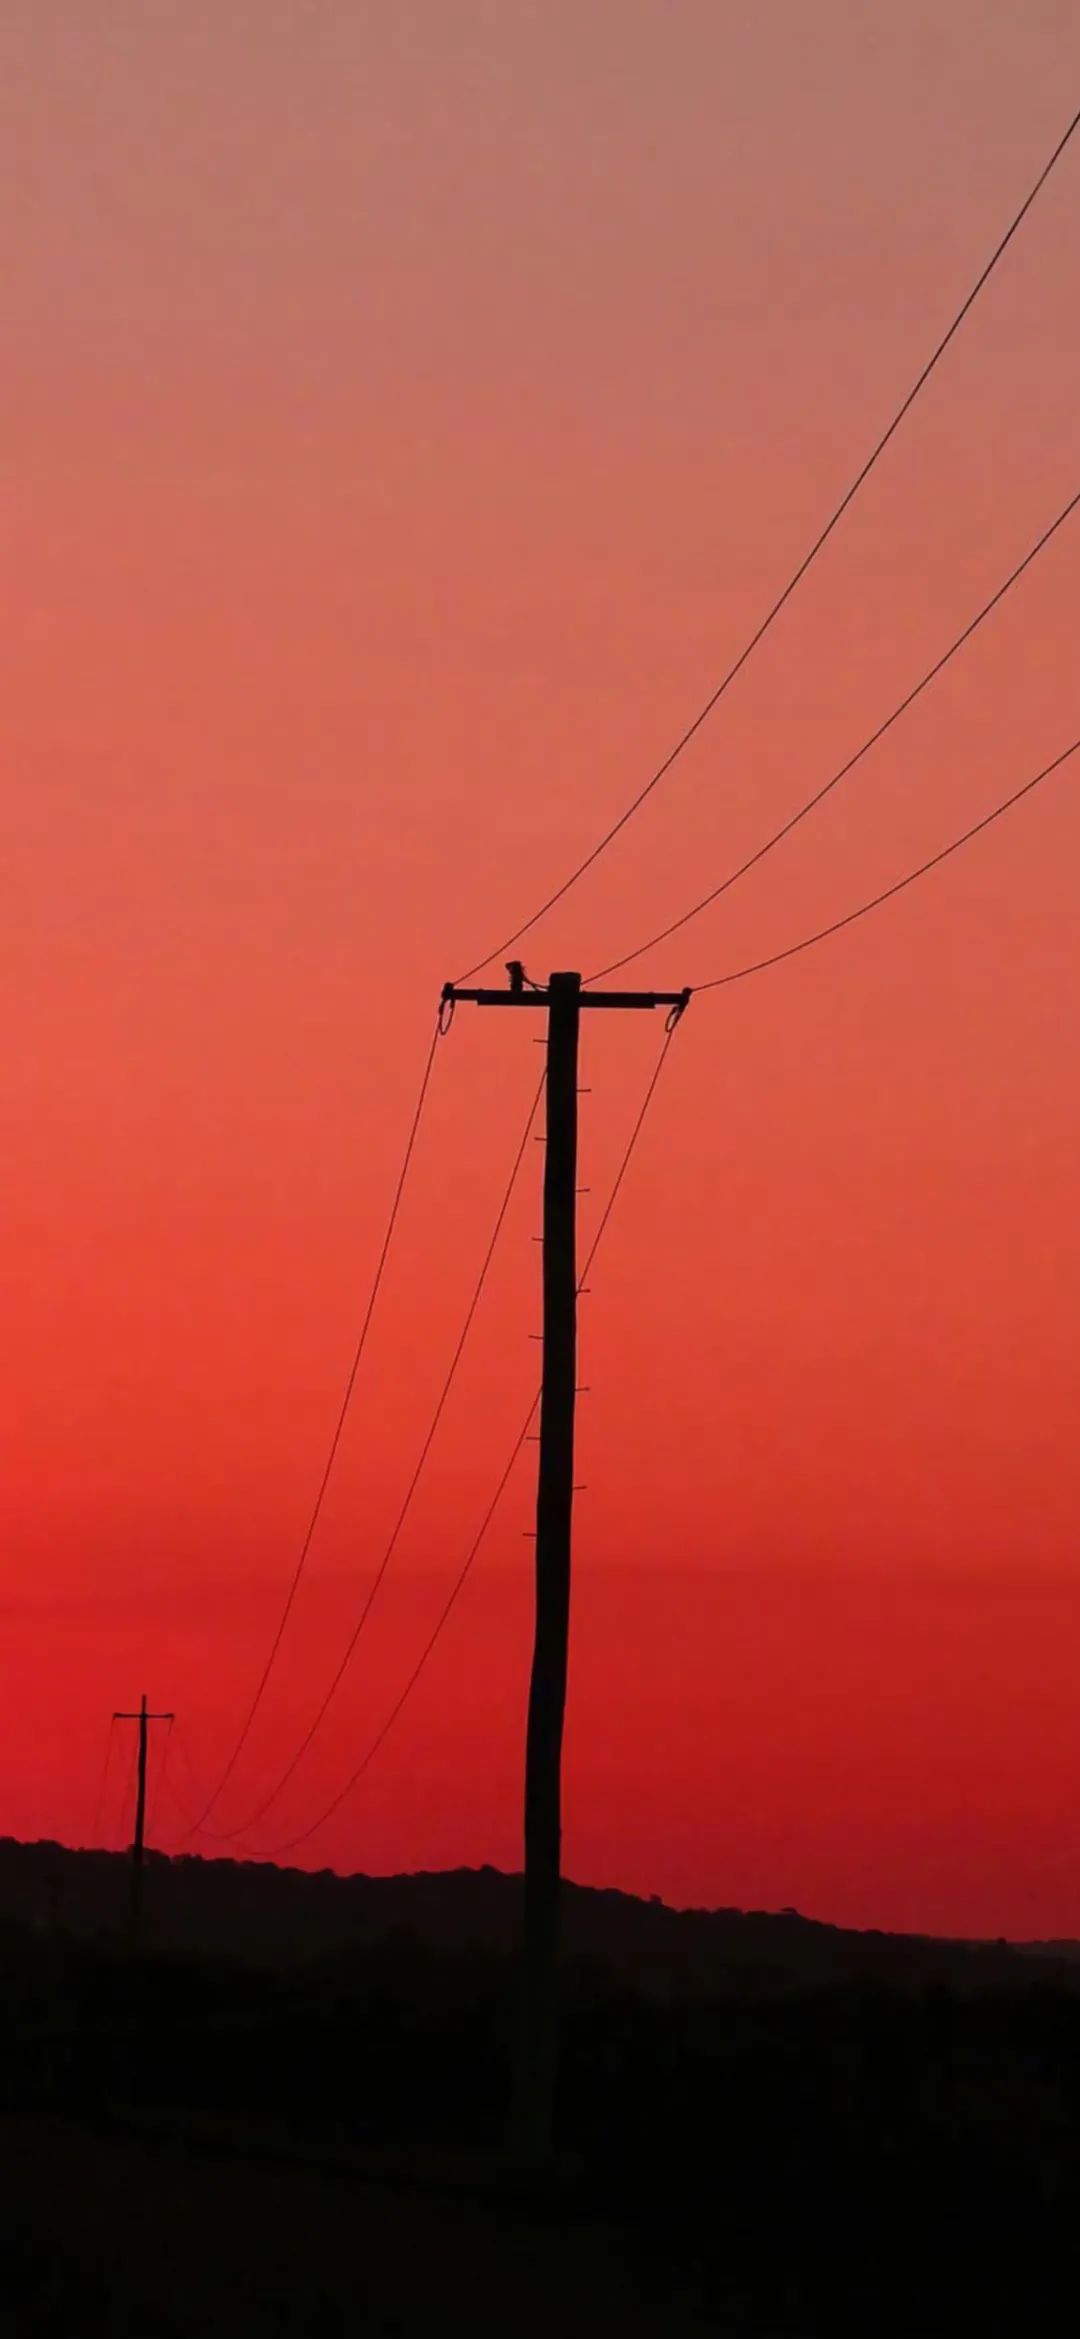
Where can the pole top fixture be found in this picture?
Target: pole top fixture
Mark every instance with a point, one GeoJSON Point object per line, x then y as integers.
{"type": "Point", "coordinates": [521, 991]}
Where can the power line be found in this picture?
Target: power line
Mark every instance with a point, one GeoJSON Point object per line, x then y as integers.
{"type": "Point", "coordinates": [196, 1795]}
{"type": "Point", "coordinates": [818, 545]}
{"type": "Point", "coordinates": [99, 1800]}
{"type": "Point", "coordinates": [335, 1441]}
{"type": "Point", "coordinates": [820, 794]}
{"type": "Point", "coordinates": [253, 1818]}
{"type": "Point", "coordinates": [383, 1733]}
{"type": "Point", "coordinates": [631, 1144]}
{"type": "Point", "coordinates": [808, 941]}
{"type": "Point", "coordinates": [127, 1787]}
{"type": "Point", "coordinates": [178, 1743]}
{"type": "Point", "coordinates": [160, 1783]}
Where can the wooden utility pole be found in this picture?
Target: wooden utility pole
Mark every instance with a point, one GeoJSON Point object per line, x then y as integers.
{"type": "Point", "coordinates": [143, 1718]}
{"type": "Point", "coordinates": [537, 2046]}
{"type": "Point", "coordinates": [537, 2055]}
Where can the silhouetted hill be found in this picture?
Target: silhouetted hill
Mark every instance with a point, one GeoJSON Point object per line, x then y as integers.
{"type": "Point", "coordinates": [281, 1917]}
{"type": "Point", "coordinates": [292, 2113]}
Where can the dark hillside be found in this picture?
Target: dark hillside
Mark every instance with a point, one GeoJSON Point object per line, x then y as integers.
{"type": "Point", "coordinates": [282, 1917]}
{"type": "Point", "coordinates": [289, 2112]}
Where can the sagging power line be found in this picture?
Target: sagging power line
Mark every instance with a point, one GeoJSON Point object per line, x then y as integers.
{"type": "Point", "coordinates": [676, 925]}
{"type": "Point", "coordinates": [244, 1826]}
{"type": "Point", "coordinates": [559, 894]}
{"type": "Point", "coordinates": [335, 1442]}
{"type": "Point", "coordinates": [777, 957]}
{"type": "Point", "coordinates": [103, 1783]}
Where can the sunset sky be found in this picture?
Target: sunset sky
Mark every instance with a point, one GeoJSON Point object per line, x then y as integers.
{"type": "Point", "coordinates": [409, 407]}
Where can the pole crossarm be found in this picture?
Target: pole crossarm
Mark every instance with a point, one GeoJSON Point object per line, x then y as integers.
{"type": "Point", "coordinates": [539, 996]}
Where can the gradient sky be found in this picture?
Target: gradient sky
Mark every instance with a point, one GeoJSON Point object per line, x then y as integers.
{"type": "Point", "coordinates": [407, 412]}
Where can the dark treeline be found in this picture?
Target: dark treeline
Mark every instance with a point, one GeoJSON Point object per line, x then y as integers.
{"type": "Point", "coordinates": [268, 1916]}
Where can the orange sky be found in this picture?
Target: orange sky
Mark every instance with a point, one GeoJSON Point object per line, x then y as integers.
{"type": "Point", "coordinates": [407, 414]}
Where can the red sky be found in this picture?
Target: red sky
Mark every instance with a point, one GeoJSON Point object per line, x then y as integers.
{"type": "Point", "coordinates": [408, 412]}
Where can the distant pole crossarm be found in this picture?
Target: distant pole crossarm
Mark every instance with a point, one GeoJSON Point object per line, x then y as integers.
{"type": "Point", "coordinates": [562, 1000]}
{"type": "Point", "coordinates": [143, 1717]}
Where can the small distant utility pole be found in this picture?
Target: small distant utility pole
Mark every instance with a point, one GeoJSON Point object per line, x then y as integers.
{"type": "Point", "coordinates": [563, 999]}
{"type": "Point", "coordinates": [143, 1718]}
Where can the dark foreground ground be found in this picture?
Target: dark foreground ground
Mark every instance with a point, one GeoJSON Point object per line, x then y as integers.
{"type": "Point", "coordinates": [193, 2144]}
{"type": "Point", "coordinates": [114, 2234]}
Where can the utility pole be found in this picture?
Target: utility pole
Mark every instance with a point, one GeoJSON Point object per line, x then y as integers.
{"type": "Point", "coordinates": [143, 1718]}
{"type": "Point", "coordinates": [537, 2051]}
